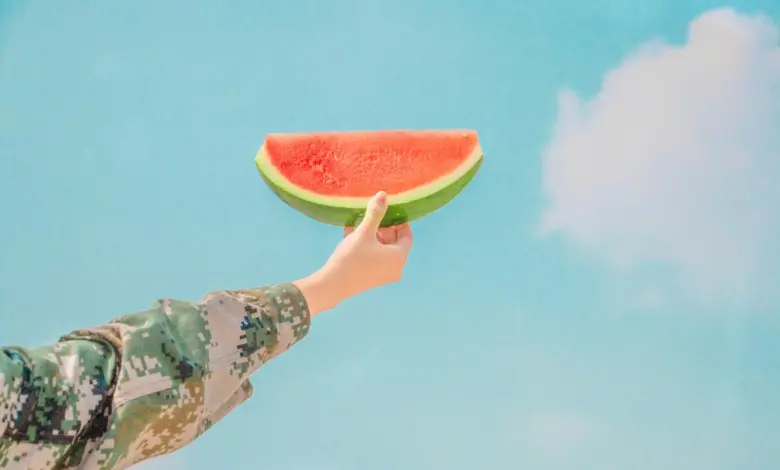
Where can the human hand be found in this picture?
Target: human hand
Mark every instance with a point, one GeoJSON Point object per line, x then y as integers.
{"type": "Point", "coordinates": [368, 257]}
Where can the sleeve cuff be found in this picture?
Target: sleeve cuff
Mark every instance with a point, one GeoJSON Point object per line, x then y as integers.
{"type": "Point", "coordinates": [257, 324]}
{"type": "Point", "coordinates": [294, 317]}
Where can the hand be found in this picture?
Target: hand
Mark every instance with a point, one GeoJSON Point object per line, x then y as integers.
{"type": "Point", "coordinates": [368, 257]}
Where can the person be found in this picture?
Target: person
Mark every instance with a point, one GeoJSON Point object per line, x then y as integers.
{"type": "Point", "coordinates": [149, 383]}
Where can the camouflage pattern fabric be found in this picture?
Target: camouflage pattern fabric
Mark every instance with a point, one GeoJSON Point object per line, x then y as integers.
{"type": "Point", "coordinates": [143, 385]}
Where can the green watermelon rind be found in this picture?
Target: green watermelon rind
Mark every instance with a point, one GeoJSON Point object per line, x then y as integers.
{"type": "Point", "coordinates": [414, 205]}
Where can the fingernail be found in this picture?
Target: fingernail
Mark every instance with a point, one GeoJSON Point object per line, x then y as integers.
{"type": "Point", "coordinates": [381, 198]}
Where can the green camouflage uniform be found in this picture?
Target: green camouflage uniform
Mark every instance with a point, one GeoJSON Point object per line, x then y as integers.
{"type": "Point", "coordinates": [143, 385]}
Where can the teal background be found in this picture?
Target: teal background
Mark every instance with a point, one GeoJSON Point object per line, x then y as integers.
{"type": "Point", "coordinates": [127, 137]}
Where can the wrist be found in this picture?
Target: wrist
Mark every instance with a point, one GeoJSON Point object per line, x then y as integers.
{"type": "Point", "coordinates": [321, 291]}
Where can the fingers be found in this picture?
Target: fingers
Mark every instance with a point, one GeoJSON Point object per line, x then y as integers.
{"type": "Point", "coordinates": [404, 238]}
{"type": "Point", "coordinates": [387, 235]}
{"type": "Point", "coordinates": [376, 210]}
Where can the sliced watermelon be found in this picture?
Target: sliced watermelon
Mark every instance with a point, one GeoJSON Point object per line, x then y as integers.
{"type": "Point", "coordinates": [331, 176]}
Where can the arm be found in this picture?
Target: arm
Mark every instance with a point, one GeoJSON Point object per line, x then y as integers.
{"type": "Point", "coordinates": [145, 384]}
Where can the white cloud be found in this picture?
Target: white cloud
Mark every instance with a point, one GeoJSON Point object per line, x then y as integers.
{"type": "Point", "coordinates": [677, 159]}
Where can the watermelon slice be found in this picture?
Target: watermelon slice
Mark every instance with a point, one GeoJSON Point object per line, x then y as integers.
{"type": "Point", "coordinates": [331, 176]}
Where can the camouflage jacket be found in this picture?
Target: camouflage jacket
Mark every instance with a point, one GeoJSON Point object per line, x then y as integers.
{"type": "Point", "coordinates": [143, 385]}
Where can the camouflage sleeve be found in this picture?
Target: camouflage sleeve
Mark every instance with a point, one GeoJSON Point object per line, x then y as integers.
{"type": "Point", "coordinates": [143, 385]}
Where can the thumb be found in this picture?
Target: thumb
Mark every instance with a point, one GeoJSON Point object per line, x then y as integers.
{"type": "Point", "coordinates": [375, 212]}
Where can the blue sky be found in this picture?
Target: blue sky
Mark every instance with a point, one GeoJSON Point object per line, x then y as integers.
{"type": "Point", "coordinates": [601, 297]}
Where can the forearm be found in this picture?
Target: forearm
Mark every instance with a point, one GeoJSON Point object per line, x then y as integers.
{"type": "Point", "coordinates": [186, 365]}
